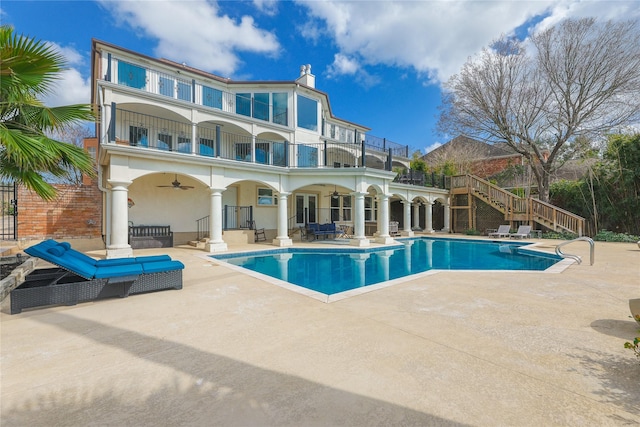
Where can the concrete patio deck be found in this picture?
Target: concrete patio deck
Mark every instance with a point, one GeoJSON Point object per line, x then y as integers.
{"type": "Point", "coordinates": [453, 348]}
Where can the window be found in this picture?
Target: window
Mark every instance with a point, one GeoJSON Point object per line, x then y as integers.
{"type": "Point", "coordinates": [211, 97]}
{"type": "Point", "coordinates": [207, 147]}
{"type": "Point", "coordinates": [280, 109]}
{"type": "Point", "coordinates": [279, 154]}
{"type": "Point", "coordinates": [261, 106]}
{"type": "Point", "coordinates": [131, 75]}
{"type": "Point", "coordinates": [341, 204]}
{"type": "Point", "coordinates": [243, 151]}
{"type": "Point", "coordinates": [307, 156]}
{"type": "Point", "coordinates": [165, 86]}
{"type": "Point", "coordinates": [346, 208]}
{"type": "Point", "coordinates": [184, 144]}
{"type": "Point", "coordinates": [370, 208]}
{"type": "Point", "coordinates": [184, 91]}
{"type": "Point", "coordinates": [262, 152]}
{"type": "Point", "coordinates": [138, 136]}
{"type": "Point", "coordinates": [243, 104]}
{"type": "Point", "coordinates": [307, 113]}
{"type": "Point", "coordinates": [266, 197]}
{"type": "Point", "coordinates": [164, 141]}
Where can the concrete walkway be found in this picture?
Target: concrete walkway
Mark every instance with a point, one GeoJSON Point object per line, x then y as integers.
{"type": "Point", "coordinates": [508, 349]}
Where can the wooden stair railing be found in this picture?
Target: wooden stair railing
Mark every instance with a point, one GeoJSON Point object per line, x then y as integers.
{"type": "Point", "coordinates": [517, 208]}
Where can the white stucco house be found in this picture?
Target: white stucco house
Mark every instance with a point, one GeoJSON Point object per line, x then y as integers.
{"type": "Point", "coordinates": [207, 156]}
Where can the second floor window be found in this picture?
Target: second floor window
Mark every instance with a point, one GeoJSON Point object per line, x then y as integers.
{"type": "Point", "coordinates": [131, 75]}
{"type": "Point", "coordinates": [307, 113]}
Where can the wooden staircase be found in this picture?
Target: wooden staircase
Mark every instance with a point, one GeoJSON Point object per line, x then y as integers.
{"type": "Point", "coordinates": [517, 208]}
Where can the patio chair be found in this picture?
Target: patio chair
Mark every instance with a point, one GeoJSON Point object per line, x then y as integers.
{"type": "Point", "coordinates": [393, 229]}
{"type": "Point", "coordinates": [503, 231]}
{"type": "Point", "coordinates": [523, 232]}
{"type": "Point", "coordinates": [259, 233]}
{"type": "Point", "coordinates": [81, 278]}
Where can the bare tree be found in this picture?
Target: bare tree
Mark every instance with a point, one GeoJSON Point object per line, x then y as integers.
{"type": "Point", "coordinates": [74, 135]}
{"type": "Point", "coordinates": [582, 79]}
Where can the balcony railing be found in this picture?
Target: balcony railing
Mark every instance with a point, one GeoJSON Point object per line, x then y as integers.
{"type": "Point", "coordinates": [152, 132]}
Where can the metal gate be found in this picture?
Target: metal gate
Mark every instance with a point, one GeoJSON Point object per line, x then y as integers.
{"type": "Point", "coordinates": [8, 211]}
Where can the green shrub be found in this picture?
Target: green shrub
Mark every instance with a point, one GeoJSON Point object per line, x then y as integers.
{"type": "Point", "coordinates": [560, 235]}
{"type": "Point", "coordinates": [472, 232]}
{"type": "Point", "coordinates": [611, 236]}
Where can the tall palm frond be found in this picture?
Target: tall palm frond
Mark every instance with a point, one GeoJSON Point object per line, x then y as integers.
{"type": "Point", "coordinates": [28, 70]}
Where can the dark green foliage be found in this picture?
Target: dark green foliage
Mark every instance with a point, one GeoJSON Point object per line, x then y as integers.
{"type": "Point", "coordinates": [609, 198]}
{"type": "Point", "coordinates": [610, 236]}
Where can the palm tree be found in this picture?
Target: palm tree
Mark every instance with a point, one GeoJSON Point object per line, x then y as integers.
{"type": "Point", "coordinates": [28, 68]}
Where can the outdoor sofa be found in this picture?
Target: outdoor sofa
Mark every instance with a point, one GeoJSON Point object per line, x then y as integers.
{"type": "Point", "coordinates": [330, 229]}
{"type": "Point", "coordinates": [82, 278]}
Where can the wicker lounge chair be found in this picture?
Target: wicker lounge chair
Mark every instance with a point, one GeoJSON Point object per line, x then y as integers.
{"type": "Point", "coordinates": [503, 231]}
{"type": "Point", "coordinates": [82, 278]}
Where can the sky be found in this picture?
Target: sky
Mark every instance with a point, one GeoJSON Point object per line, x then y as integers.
{"type": "Point", "coordinates": [382, 63]}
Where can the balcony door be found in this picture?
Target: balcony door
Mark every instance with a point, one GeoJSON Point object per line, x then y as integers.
{"type": "Point", "coordinates": [306, 209]}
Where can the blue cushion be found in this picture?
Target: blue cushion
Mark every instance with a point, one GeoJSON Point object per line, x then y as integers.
{"type": "Point", "coordinates": [72, 253]}
{"type": "Point", "coordinates": [118, 271]}
{"type": "Point", "coordinates": [153, 258]}
{"type": "Point", "coordinates": [115, 261]}
{"type": "Point", "coordinates": [56, 250]}
{"type": "Point", "coordinates": [65, 245]}
{"type": "Point", "coordinates": [160, 266]}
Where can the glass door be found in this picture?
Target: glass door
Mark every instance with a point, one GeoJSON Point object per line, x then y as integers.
{"type": "Point", "coordinates": [306, 209]}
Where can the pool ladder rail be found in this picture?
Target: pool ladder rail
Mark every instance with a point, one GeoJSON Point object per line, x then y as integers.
{"type": "Point", "coordinates": [576, 257]}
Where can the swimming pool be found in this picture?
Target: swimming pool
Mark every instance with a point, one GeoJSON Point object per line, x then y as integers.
{"type": "Point", "coordinates": [342, 269]}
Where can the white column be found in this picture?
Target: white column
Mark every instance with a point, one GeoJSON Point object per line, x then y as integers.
{"type": "Point", "coordinates": [282, 238]}
{"type": "Point", "coordinates": [428, 208]}
{"type": "Point", "coordinates": [383, 207]}
{"type": "Point", "coordinates": [194, 137]}
{"type": "Point", "coordinates": [359, 239]}
{"type": "Point", "coordinates": [119, 247]}
{"type": "Point", "coordinates": [253, 148]}
{"type": "Point", "coordinates": [447, 214]}
{"type": "Point", "coordinates": [407, 219]}
{"type": "Point", "coordinates": [416, 216]}
{"type": "Point", "coordinates": [215, 243]}
{"type": "Point", "coordinates": [106, 120]}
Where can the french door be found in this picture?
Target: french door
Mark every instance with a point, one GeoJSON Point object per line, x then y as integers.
{"type": "Point", "coordinates": [306, 209]}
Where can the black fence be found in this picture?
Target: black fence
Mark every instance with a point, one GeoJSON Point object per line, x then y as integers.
{"type": "Point", "coordinates": [9, 211]}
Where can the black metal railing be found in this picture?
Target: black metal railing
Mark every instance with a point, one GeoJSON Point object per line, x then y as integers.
{"type": "Point", "coordinates": [8, 211]}
{"type": "Point", "coordinates": [236, 217]}
{"type": "Point", "coordinates": [150, 132]}
{"type": "Point", "coordinates": [202, 228]}
{"type": "Point", "coordinates": [423, 179]}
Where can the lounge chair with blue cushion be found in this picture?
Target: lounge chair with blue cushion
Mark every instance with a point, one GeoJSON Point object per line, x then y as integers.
{"type": "Point", "coordinates": [503, 231]}
{"type": "Point", "coordinates": [82, 278]}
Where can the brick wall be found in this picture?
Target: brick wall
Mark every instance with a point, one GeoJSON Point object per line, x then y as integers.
{"type": "Point", "coordinates": [75, 214]}
{"type": "Point", "coordinates": [489, 167]}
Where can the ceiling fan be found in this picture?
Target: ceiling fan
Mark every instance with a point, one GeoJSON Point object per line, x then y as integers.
{"type": "Point", "coordinates": [335, 194]}
{"type": "Point", "coordinates": [176, 185]}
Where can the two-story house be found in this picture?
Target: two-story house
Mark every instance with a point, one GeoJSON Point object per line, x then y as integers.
{"type": "Point", "coordinates": [188, 149]}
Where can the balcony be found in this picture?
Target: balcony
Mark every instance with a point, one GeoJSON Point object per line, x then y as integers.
{"type": "Point", "coordinates": [158, 133]}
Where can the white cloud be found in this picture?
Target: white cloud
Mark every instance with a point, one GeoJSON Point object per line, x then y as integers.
{"type": "Point", "coordinates": [196, 34]}
{"type": "Point", "coordinates": [432, 147]}
{"type": "Point", "coordinates": [342, 65]}
{"type": "Point", "coordinates": [436, 37]}
{"type": "Point", "coordinates": [70, 87]}
{"type": "Point", "coordinates": [268, 7]}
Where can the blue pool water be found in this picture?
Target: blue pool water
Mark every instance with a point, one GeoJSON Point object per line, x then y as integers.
{"type": "Point", "coordinates": [338, 270]}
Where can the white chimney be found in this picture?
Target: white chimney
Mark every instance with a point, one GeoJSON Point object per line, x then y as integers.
{"type": "Point", "coordinates": [306, 78]}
